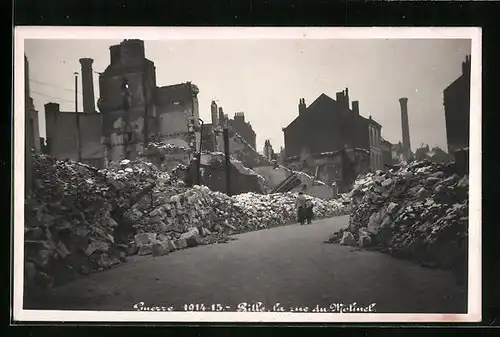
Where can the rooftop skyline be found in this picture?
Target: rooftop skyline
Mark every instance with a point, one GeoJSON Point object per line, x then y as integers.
{"type": "Point", "coordinates": [266, 78]}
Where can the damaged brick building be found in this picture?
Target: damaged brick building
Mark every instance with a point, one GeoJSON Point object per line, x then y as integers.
{"type": "Point", "coordinates": [32, 133]}
{"type": "Point", "coordinates": [456, 100]}
{"type": "Point", "coordinates": [331, 140]}
{"type": "Point", "coordinates": [241, 147]}
{"type": "Point", "coordinates": [132, 110]}
{"type": "Point", "coordinates": [62, 127]}
{"type": "Point", "coordinates": [135, 111]}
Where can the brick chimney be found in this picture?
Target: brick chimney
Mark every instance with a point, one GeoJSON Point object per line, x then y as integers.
{"type": "Point", "coordinates": [346, 98]}
{"type": "Point", "coordinates": [87, 85]}
{"type": "Point", "coordinates": [340, 97]}
{"type": "Point", "coordinates": [51, 112]}
{"type": "Point", "coordinates": [302, 106]}
{"type": "Point", "coordinates": [405, 125]}
{"type": "Point", "coordinates": [213, 110]}
{"type": "Point", "coordinates": [355, 107]}
{"type": "Point", "coordinates": [221, 116]}
{"type": "Point", "coordinates": [240, 117]}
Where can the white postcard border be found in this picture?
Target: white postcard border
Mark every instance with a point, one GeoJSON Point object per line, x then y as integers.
{"type": "Point", "coordinates": [166, 33]}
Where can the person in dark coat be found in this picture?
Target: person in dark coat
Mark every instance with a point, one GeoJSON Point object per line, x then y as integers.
{"type": "Point", "coordinates": [309, 211]}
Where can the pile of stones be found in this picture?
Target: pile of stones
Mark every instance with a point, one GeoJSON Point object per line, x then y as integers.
{"type": "Point", "coordinates": [418, 212]}
{"type": "Point", "coordinates": [199, 215]}
{"type": "Point", "coordinates": [79, 219]}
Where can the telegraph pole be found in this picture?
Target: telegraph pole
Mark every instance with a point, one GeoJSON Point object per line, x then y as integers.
{"type": "Point", "coordinates": [199, 153]}
{"type": "Point", "coordinates": [146, 115]}
{"type": "Point", "coordinates": [78, 135]}
{"type": "Point", "coordinates": [227, 160]}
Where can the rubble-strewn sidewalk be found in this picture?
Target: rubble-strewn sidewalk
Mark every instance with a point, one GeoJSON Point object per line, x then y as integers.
{"type": "Point", "coordinates": [418, 212]}
{"type": "Point", "coordinates": [79, 219]}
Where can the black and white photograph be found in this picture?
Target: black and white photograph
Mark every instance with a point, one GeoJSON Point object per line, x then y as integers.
{"type": "Point", "coordinates": [247, 174]}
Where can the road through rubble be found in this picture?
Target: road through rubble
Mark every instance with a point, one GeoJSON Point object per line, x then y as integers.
{"type": "Point", "coordinates": [290, 265]}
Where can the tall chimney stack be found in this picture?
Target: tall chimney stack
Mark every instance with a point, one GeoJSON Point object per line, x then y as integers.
{"type": "Point", "coordinates": [213, 110]}
{"type": "Point", "coordinates": [87, 85]}
{"type": "Point", "coordinates": [221, 116]}
{"type": "Point", "coordinates": [405, 125]}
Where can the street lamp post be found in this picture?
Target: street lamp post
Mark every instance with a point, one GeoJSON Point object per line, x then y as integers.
{"type": "Point", "coordinates": [227, 159]}
{"type": "Point", "coordinates": [198, 159]}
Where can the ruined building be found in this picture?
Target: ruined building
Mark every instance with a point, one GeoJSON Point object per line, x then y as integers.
{"type": "Point", "coordinates": [386, 148]}
{"type": "Point", "coordinates": [135, 111]}
{"type": "Point", "coordinates": [268, 150]}
{"type": "Point", "coordinates": [331, 140]}
{"type": "Point", "coordinates": [31, 128]}
{"type": "Point", "coordinates": [243, 128]}
{"type": "Point", "coordinates": [132, 111]}
{"type": "Point", "coordinates": [457, 109]}
{"type": "Point", "coordinates": [62, 126]}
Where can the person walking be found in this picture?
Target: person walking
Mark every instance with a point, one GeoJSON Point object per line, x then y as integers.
{"type": "Point", "coordinates": [301, 207]}
{"type": "Point", "coordinates": [309, 210]}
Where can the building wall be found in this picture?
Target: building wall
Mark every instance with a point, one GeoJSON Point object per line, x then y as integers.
{"type": "Point", "coordinates": [376, 155]}
{"type": "Point", "coordinates": [123, 127]}
{"type": "Point", "coordinates": [62, 134]}
{"type": "Point", "coordinates": [244, 129]}
{"type": "Point", "coordinates": [386, 148]}
{"type": "Point", "coordinates": [241, 150]}
{"type": "Point", "coordinates": [208, 138]}
{"type": "Point", "coordinates": [457, 110]}
{"type": "Point", "coordinates": [273, 175]}
{"type": "Point", "coordinates": [178, 115]}
{"type": "Point", "coordinates": [340, 168]}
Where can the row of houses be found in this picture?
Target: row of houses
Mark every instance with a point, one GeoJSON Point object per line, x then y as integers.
{"type": "Point", "coordinates": [331, 140]}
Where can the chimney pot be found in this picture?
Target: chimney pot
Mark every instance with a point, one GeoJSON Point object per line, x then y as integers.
{"type": "Point", "coordinates": [302, 106]}
{"type": "Point", "coordinates": [355, 107]}
{"type": "Point", "coordinates": [88, 85]}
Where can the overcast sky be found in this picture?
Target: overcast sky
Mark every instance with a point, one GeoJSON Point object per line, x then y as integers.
{"type": "Point", "coordinates": [266, 78]}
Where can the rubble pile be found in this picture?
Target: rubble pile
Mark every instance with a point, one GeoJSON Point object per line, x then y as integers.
{"type": "Point", "coordinates": [418, 212]}
{"type": "Point", "coordinates": [200, 216]}
{"type": "Point", "coordinates": [68, 222]}
{"type": "Point", "coordinates": [75, 215]}
{"type": "Point", "coordinates": [79, 219]}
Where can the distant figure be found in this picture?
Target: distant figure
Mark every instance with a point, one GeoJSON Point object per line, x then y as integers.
{"type": "Point", "coordinates": [301, 207]}
{"type": "Point", "coordinates": [309, 210]}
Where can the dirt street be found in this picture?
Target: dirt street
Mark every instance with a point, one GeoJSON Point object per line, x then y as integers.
{"type": "Point", "coordinates": [290, 265]}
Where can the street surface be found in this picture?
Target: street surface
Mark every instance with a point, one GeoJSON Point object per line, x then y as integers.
{"type": "Point", "coordinates": [290, 265]}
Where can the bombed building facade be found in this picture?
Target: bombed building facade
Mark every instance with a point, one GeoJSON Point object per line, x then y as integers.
{"type": "Point", "coordinates": [243, 128]}
{"type": "Point", "coordinates": [32, 133]}
{"type": "Point", "coordinates": [76, 136]}
{"type": "Point", "coordinates": [133, 111]}
{"type": "Point", "coordinates": [331, 140]}
{"type": "Point", "coordinates": [240, 147]}
{"type": "Point", "coordinates": [456, 100]}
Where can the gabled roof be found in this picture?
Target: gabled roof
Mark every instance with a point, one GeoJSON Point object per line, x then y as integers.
{"type": "Point", "coordinates": [323, 98]}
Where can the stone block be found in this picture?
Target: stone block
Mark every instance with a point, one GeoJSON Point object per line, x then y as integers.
{"type": "Point", "coordinates": [347, 239]}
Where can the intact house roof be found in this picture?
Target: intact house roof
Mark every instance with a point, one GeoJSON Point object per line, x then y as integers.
{"type": "Point", "coordinates": [327, 100]}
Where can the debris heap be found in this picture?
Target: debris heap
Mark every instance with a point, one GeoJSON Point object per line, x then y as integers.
{"type": "Point", "coordinates": [418, 212]}
{"type": "Point", "coordinates": [209, 216]}
{"type": "Point", "coordinates": [79, 219]}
